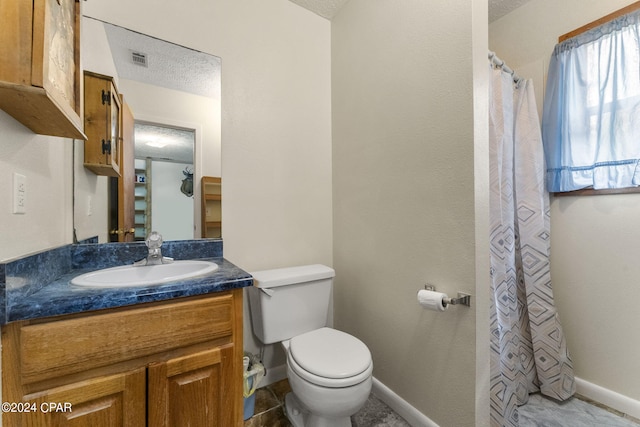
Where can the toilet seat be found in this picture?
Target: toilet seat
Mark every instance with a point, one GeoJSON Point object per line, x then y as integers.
{"type": "Point", "coordinates": [329, 358]}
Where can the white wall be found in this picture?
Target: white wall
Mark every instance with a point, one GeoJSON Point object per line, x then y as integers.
{"type": "Point", "coordinates": [594, 250]}
{"type": "Point", "coordinates": [404, 202]}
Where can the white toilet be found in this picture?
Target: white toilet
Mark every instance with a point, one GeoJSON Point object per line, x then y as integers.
{"type": "Point", "coordinates": [329, 371]}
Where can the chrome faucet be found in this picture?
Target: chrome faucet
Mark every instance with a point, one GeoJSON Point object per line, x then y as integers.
{"type": "Point", "coordinates": [154, 242]}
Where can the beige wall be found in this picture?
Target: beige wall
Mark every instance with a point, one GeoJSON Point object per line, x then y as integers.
{"type": "Point", "coordinates": [594, 250]}
{"type": "Point", "coordinates": [403, 164]}
{"type": "Point", "coordinates": [46, 162]}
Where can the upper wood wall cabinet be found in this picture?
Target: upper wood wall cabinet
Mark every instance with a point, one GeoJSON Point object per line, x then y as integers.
{"type": "Point", "coordinates": [40, 65]}
{"type": "Point", "coordinates": [103, 125]}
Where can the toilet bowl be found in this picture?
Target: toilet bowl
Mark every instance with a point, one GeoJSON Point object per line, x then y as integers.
{"type": "Point", "coordinates": [330, 376]}
{"type": "Point", "coordinates": [330, 371]}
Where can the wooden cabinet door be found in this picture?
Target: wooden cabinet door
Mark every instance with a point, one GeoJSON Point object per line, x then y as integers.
{"type": "Point", "coordinates": [193, 390]}
{"type": "Point", "coordinates": [56, 51]}
{"type": "Point", "coordinates": [112, 401]}
{"type": "Point", "coordinates": [40, 65]}
{"type": "Point", "coordinates": [127, 179]}
{"type": "Point", "coordinates": [102, 124]}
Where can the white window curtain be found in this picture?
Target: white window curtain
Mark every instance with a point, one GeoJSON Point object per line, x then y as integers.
{"type": "Point", "coordinates": [591, 114]}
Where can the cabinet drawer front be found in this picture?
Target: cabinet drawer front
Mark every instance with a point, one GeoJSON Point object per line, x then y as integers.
{"type": "Point", "coordinates": [64, 347]}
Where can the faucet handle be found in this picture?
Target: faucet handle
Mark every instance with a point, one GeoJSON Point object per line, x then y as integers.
{"type": "Point", "coordinates": [154, 241]}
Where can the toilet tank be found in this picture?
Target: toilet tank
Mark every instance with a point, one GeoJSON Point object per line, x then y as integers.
{"type": "Point", "coordinates": [286, 302]}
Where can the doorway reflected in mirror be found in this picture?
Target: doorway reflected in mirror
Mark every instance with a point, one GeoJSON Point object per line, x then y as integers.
{"type": "Point", "coordinates": [163, 161]}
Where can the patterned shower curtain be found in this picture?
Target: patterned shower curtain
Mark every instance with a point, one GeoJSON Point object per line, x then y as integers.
{"type": "Point", "coordinates": [528, 348]}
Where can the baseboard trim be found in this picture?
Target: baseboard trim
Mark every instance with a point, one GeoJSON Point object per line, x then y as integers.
{"type": "Point", "coordinates": [414, 417]}
{"type": "Point", "coordinates": [612, 399]}
{"type": "Point", "coordinates": [607, 397]}
{"type": "Point", "coordinates": [401, 406]}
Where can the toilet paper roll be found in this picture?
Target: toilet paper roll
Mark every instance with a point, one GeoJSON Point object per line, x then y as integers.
{"type": "Point", "coordinates": [432, 300]}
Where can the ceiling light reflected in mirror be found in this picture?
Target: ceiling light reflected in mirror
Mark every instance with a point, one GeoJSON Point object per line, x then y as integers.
{"type": "Point", "coordinates": [158, 142]}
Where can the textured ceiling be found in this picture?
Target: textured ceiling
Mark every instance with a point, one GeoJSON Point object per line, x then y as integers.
{"type": "Point", "coordinates": [325, 8]}
{"type": "Point", "coordinates": [164, 143]}
{"type": "Point", "coordinates": [499, 8]}
{"type": "Point", "coordinates": [168, 65]}
{"type": "Point", "coordinates": [328, 8]}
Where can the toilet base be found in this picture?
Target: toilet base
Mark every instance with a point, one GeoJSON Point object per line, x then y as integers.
{"type": "Point", "coordinates": [301, 417]}
{"type": "Point", "coordinates": [293, 410]}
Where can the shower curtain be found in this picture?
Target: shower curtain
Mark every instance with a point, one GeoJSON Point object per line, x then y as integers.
{"type": "Point", "coordinates": [528, 349]}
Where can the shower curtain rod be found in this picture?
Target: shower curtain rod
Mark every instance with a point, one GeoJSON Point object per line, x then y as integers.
{"type": "Point", "coordinates": [500, 64]}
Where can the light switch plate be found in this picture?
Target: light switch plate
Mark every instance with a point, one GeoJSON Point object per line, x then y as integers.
{"type": "Point", "coordinates": [19, 194]}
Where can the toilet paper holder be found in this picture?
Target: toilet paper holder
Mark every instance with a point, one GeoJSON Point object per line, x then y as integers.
{"type": "Point", "coordinates": [463, 298]}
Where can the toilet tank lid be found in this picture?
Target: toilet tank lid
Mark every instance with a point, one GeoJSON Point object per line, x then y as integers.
{"type": "Point", "coordinates": [291, 275]}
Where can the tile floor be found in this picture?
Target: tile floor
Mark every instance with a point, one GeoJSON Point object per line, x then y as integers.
{"type": "Point", "coordinates": [576, 412]}
{"type": "Point", "coordinates": [269, 410]}
{"type": "Point", "coordinates": [538, 412]}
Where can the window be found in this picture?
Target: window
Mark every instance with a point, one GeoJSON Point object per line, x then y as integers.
{"type": "Point", "coordinates": [591, 114]}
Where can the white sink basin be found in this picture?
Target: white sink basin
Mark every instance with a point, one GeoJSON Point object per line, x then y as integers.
{"type": "Point", "coordinates": [129, 275]}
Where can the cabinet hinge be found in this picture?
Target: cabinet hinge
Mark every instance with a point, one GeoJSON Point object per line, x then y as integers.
{"type": "Point", "coordinates": [106, 147]}
{"type": "Point", "coordinates": [106, 97]}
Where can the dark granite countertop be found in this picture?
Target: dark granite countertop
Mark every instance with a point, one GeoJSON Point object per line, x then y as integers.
{"type": "Point", "coordinates": [39, 286]}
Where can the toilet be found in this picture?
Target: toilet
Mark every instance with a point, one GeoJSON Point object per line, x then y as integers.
{"type": "Point", "coordinates": [329, 370]}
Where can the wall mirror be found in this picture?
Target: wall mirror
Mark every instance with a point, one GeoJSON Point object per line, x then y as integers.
{"type": "Point", "coordinates": [173, 93]}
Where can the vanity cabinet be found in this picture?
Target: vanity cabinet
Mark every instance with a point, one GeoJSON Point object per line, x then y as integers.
{"type": "Point", "coordinates": [211, 206]}
{"type": "Point", "coordinates": [102, 124]}
{"type": "Point", "coordinates": [114, 400]}
{"type": "Point", "coordinates": [40, 72]}
{"type": "Point", "coordinates": [186, 391]}
{"type": "Point", "coordinates": [174, 363]}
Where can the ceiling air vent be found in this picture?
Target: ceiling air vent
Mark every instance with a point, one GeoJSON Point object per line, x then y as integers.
{"type": "Point", "coordinates": [139, 58]}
